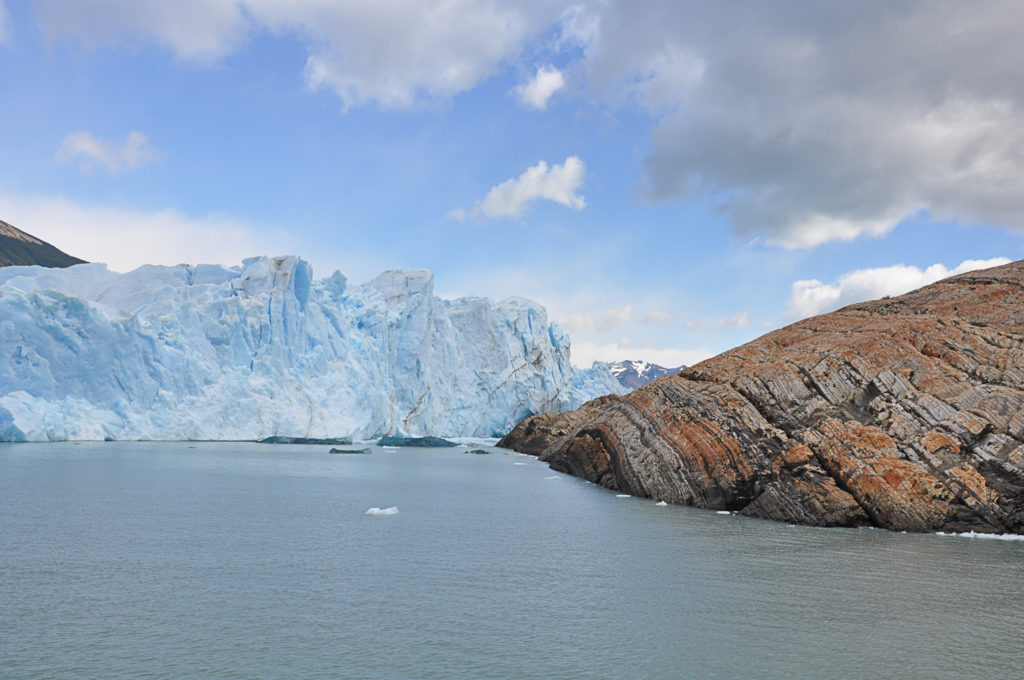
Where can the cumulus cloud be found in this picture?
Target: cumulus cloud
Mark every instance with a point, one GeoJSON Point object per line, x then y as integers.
{"type": "Point", "coordinates": [557, 183]}
{"type": "Point", "coordinates": [812, 122]}
{"type": "Point", "coordinates": [88, 152]}
{"type": "Point", "coordinates": [139, 237]}
{"type": "Point", "coordinates": [391, 53]}
{"type": "Point", "coordinates": [811, 297]}
{"type": "Point", "coordinates": [536, 93]}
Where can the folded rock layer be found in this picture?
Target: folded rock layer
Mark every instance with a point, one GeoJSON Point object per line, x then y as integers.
{"type": "Point", "coordinates": [903, 413]}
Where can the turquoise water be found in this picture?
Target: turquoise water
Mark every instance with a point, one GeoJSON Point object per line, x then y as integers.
{"type": "Point", "coordinates": [225, 560]}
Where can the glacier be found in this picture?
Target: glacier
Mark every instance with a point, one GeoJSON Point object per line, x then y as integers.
{"type": "Point", "coordinates": [203, 352]}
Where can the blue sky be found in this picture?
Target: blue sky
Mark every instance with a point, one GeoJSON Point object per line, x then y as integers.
{"type": "Point", "coordinates": [669, 179]}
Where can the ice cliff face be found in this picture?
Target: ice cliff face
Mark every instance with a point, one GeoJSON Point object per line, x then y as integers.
{"type": "Point", "coordinates": [209, 352]}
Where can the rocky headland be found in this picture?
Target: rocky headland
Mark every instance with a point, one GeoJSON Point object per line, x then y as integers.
{"type": "Point", "coordinates": [903, 413]}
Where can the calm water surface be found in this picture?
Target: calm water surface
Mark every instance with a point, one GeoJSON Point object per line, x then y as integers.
{"type": "Point", "coordinates": [169, 560]}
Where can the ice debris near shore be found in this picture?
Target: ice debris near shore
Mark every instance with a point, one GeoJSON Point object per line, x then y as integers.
{"type": "Point", "coordinates": [212, 352]}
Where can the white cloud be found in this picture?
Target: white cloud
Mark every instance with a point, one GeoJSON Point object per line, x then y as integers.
{"type": "Point", "coordinates": [811, 297]}
{"type": "Point", "coordinates": [559, 184]}
{"type": "Point", "coordinates": [586, 353]}
{"type": "Point", "coordinates": [391, 53]}
{"type": "Point", "coordinates": [88, 152]}
{"type": "Point", "coordinates": [394, 53]}
{"type": "Point", "coordinates": [738, 320]}
{"type": "Point", "coordinates": [536, 93]}
{"type": "Point", "coordinates": [125, 239]}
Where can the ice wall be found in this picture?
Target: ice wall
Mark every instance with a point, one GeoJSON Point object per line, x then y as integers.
{"type": "Point", "coordinates": [209, 352]}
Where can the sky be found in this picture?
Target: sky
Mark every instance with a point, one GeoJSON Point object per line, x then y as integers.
{"type": "Point", "coordinates": [669, 179]}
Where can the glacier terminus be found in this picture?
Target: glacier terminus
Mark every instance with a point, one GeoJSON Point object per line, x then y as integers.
{"type": "Point", "coordinates": [212, 352]}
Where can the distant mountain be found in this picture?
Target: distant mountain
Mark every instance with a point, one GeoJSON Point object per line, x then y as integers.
{"type": "Point", "coordinates": [634, 374]}
{"type": "Point", "coordinates": [19, 248]}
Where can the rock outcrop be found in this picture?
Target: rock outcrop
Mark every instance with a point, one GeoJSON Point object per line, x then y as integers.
{"type": "Point", "coordinates": [903, 413]}
{"type": "Point", "coordinates": [20, 249]}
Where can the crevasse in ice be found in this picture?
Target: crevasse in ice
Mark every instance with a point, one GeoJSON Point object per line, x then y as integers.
{"type": "Point", "coordinates": [211, 352]}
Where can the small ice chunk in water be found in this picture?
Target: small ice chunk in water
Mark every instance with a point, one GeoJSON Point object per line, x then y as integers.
{"type": "Point", "coordinates": [974, 534]}
{"type": "Point", "coordinates": [519, 463]}
{"type": "Point", "coordinates": [661, 503]}
{"type": "Point", "coordinates": [724, 512]}
{"type": "Point", "coordinates": [622, 495]}
{"type": "Point", "coordinates": [382, 512]}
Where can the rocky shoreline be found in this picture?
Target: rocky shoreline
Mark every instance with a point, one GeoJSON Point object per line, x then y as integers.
{"type": "Point", "coordinates": [903, 413]}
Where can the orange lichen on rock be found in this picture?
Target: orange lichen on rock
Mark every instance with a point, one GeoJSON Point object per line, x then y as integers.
{"type": "Point", "coordinates": [933, 441]}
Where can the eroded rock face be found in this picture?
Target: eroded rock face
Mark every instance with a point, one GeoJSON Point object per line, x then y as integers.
{"type": "Point", "coordinates": [906, 413]}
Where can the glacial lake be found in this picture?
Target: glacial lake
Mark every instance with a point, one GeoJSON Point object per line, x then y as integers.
{"type": "Point", "coordinates": [235, 560]}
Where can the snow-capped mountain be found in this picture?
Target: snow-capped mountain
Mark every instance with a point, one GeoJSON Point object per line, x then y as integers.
{"type": "Point", "coordinates": [210, 352]}
{"type": "Point", "coordinates": [634, 374]}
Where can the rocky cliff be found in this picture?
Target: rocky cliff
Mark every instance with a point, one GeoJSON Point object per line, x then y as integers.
{"type": "Point", "coordinates": [903, 413]}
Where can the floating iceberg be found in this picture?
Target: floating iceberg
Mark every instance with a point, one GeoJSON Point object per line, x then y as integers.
{"type": "Point", "coordinates": [260, 350]}
{"type": "Point", "coordinates": [382, 512]}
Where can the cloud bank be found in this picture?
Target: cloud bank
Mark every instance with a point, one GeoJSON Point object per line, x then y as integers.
{"type": "Point", "coordinates": [811, 122]}
{"type": "Point", "coordinates": [388, 53]}
{"type": "Point", "coordinates": [812, 297]}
